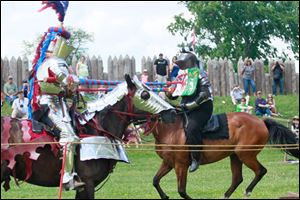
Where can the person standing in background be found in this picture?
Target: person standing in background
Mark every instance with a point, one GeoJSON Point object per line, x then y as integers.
{"type": "Point", "coordinates": [82, 71]}
{"type": "Point", "coordinates": [161, 67]}
{"type": "Point", "coordinates": [248, 73]}
{"type": "Point", "coordinates": [174, 69]}
{"type": "Point", "coordinates": [144, 76]}
{"type": "Point", "coordinates": [277, 70]}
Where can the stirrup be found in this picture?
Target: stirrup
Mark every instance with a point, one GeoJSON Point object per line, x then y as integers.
{"type": "Point", "coordinates": [194, 166]}
{"type": "Point", "coordinates": [73, 185]}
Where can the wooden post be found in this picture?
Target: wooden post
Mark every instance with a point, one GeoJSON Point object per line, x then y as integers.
{"type": "Point", "coordinates": [232, 78]}
{"type": "Point", "coordinates": [115, 68]}
{"type": "Point", "coordinates": [94, 68]}
{"type": "Point", "coordinates": [25, 68]}
{"type": "Point", "coordinates": [110, 69]}
{"type": "Point", "coordinates": [127, 66]}
{"type": "Point", "coordinates": [216, 77]}
{"type": "Point", "coordinates": [19, 77]}
{"type": "Point", "coordinates": [133, 66]}
{"type": "Point", "coordinates": [100, 67]}
{"type": "Point", "coordinates": [88, 63]}
{"type": "Point", "coordinates": [240, 66]}
{"type": "Point", "coordinates": [13, 70]}
{"type": "Point", "coordinates": [288, 77]}
{"type": "Point", "coordinates": [121, 68]}
{"type": "Point", "coordinates": [149, 67]}
{"type": "Point", "coordinates": [259, 75]}
{"type": "Point", "coordinates": [222, 77]}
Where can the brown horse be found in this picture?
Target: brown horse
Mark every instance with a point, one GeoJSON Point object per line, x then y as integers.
{"type": "Point", "coordinates": [244, 130]}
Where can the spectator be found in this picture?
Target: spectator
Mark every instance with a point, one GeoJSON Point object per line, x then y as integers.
{"type": "Point", "coordinates": [25, 87]}
{"type": "Point", "coordinates": [295, 130]}
{"type": "Point", "coordinates": [132, 135]}
{"type": "Point", "coordinates": [272, 106]}
{"type": "Point", "coordinates": [295, 126]}
{"type": "Point", "coordinates": [161, 69]}
{"type": "Point", "coordinates": [144, 76]}
{"type": "Point", "coordinates": [82, 71]}
{"type": "Point", "coordinates": [244, 107]}
{"type": "Point", "coordinates": [248, 73]}
{"type": "Point", "coordinates": [236, 94]}
{"type": "Point", "coordinates": [20, 107]}
{"type": "Point", "coordinates": [261, 106]}
{"type": "Point", "coordinates": [174, 69]}
{"type": "Point", "coordinates": [10, 90]}
{"type": "Point", "coordinates": [277, 70]}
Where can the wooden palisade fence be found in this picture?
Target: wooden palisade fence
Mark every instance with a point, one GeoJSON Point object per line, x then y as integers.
{"type": "Point", "coordinates": [221, 72]}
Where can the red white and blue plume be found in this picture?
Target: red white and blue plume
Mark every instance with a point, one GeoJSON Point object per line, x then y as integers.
{"type": "Point", "coordinates": [59, 6]}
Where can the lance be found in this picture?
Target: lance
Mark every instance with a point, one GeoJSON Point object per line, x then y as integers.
{"type": "Point", "coordinates": [110, 89]}
{"type": "Point", "coordinates": [105, 82]}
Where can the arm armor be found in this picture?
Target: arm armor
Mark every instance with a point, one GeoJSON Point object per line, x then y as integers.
{"type": "Point", "coordinates": [202, 97]}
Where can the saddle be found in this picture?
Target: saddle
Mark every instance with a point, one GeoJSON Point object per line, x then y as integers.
{"type": "Point", "coordinates": [212, 125]}
{"type": "Point", "coordinates": [216, 127]}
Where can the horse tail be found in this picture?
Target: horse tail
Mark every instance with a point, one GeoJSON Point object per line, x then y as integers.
{"type": "Point", "coordinates": [280, 134]}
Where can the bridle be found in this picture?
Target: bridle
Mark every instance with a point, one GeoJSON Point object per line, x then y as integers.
{"type": "Point", "coordinates": [128, 117]}
{"type": "Point", "coordinates": [131, 117]}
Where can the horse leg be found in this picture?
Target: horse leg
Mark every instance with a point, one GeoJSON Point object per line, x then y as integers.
{"type": "Point", "coordinates": [163, 170]}
{"type": "Point", "coordinates": [88, 192]}
{"type": "Point", "coordinates": [237, 177]}
{"type": "Point", "coordinates": [181, 174]}
{"type": "Point", "coordinates": [258, 169]}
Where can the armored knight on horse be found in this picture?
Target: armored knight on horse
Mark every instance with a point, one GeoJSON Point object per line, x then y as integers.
{"type": "Point", "coordinates": [50, 79]}
{"type": "Point", "coordinates": [197, 100]}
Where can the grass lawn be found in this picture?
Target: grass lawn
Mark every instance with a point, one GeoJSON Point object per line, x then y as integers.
{"type": "Point", "coordinates": [134, 181]}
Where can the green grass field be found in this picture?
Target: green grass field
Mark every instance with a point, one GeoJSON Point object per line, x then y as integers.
{"type": "Point", "coordinates": [134, 181]}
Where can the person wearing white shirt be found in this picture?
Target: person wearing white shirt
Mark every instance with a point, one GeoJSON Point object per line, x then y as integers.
{"type": "Point", "coordinates": [20, 107]}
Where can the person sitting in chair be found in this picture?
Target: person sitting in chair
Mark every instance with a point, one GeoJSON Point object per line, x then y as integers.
{"type": "Point", "coordinates": [20, 107]}
{"type": "Point", "coordinates": [197, 100]}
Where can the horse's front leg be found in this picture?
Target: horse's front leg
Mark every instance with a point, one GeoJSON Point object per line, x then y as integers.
{"type": "Point", "coordinates": [163, 170]}
{"type": "Point", "coordinates": [88, 192]}
{"type": "Point", "coordinates": [181, 174]}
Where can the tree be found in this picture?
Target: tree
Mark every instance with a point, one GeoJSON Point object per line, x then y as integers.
{"type": "Point", "coordinates": [79, 39]}
{"type": "Point", "coordinates": [236, 28]}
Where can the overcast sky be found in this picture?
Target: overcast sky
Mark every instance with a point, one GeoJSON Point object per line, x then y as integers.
{"type": "Point", "coordinates": [120, 28]}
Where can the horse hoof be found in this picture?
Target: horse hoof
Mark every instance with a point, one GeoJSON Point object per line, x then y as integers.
{"type": "Point", "coordinates": [165, 197]}
{"type": "Point", "coordinates": [247, 194]}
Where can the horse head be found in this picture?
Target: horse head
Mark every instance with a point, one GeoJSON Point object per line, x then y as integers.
{"type": "Point", "coordinates": [143, 99]}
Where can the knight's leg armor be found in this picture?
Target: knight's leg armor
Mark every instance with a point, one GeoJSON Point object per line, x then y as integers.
{"type": "Point", "coordinates": [61, 118]}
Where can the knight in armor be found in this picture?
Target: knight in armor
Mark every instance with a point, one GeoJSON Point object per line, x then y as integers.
{"type": "Point", "coordinates": [197, 101]}
{"type": "Point", "coordinates": [52, 79]}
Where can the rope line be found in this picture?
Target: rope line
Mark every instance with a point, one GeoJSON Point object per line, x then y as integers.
{"type": "Point", "coordinates": [152, 144]}
{"type": "Point", "coordinates": [172, 146]}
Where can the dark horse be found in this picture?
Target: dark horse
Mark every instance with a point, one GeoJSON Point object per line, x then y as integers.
{"type": "Point", "coordinates": [46, 169]}
{"type": "Point", "coordinates": [244, 130]}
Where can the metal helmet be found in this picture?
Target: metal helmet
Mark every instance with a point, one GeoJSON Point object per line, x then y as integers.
{"type": "Point", "coordinates": [187, 59]}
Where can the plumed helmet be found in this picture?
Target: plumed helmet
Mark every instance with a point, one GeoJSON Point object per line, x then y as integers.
{"type": "Point", "coordinates": [60, 47]}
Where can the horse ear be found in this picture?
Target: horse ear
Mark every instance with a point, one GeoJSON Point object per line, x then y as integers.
{"type": "Point", "coordinates": [129, 82]}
